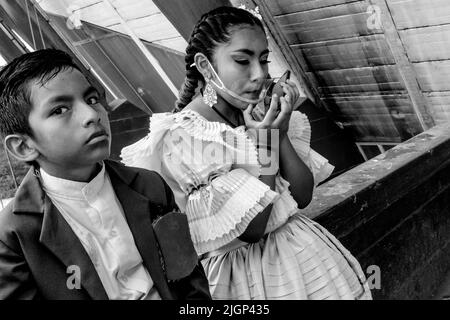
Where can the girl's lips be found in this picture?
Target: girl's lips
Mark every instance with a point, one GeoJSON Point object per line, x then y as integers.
{"type": "Point", "coordinates": [252, 94]}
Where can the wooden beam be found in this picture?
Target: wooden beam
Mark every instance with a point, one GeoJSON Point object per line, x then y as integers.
{"type": "Point", "coordinates": [296, 62]}
{"type": "Point", "coordinates": [93, 38]}
{"type": "Point", "coordinates": [404, 65]}
{"type": "Point", "coordinates": [147, 54]}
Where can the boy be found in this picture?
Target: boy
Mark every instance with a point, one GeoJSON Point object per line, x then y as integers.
{"type": "Point", "coordinates": [80, 226]}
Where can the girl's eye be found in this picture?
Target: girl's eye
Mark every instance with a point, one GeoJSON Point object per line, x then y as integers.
{"type": "Point", "coordinates": [265, 61]}
{"type": "Point", "coordinates": [60, 110]}
{"type": "Point", "coordinates": [93, 100]}
{"type": "Point", "coordinates": [242, 61]}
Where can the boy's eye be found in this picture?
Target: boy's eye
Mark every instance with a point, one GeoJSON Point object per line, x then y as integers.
{"type": "Point", "coordinates": [60, 110]}
{"type": "Point", "coordinates": [265, 61]}
{"type": "Point", "coordinates": [93, 100]}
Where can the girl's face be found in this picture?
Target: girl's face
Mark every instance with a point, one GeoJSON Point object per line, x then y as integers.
{"type": "Point", "coordinates": [242, 64]}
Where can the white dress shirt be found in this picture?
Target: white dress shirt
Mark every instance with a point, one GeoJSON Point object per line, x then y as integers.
{"type": "Point", "coordinates": [96, 216]}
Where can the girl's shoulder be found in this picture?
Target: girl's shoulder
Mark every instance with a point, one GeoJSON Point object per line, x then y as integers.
{"type": "Point", "coordinates": [188, 122]}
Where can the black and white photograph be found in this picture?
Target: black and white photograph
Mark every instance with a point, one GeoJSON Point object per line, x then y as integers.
{"type": "Point", "coordinates": [225, 154]}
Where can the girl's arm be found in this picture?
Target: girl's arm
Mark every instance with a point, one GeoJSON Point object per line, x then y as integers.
{"type": "Point", "coordinates": [259, 130]}
{"type": "Point", "coordinates": [255, 229]}
{"type": "Point", "coordinates": [296, 172]}
{"type": "Point", "coordinates": [292, 168]}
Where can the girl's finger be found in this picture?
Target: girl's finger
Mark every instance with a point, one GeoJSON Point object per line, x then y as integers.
{"type": "Point", "coordinates": [284, 114]}
{"type": "Point", "coordinates": [290, 94]}
{"type": "Point", "coordinates": [272, 112]}
{"type": "Point", "coordinates": [248, 115]}
{"type": "Point", "coordinates": [294, 88]}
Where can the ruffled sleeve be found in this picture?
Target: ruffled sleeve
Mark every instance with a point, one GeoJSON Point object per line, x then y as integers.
{"type": "Point", "coordinates": [221, 211]}
{"type": "Point", "coordinates": [145, 153]}
{"type": "Point", "coordinates": [219, 201]}
{"type": "Point", "coordinates": [300, 136]}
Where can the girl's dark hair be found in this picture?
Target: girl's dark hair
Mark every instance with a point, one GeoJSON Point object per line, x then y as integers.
{"type": "Point", "coordinates": [213, 28]}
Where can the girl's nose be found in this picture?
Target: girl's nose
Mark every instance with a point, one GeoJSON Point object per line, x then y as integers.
{"type": "Point", "coordinates": [257, 72]}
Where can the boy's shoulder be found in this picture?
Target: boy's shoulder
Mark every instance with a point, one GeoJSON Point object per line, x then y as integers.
{"type": "Point", "coordinates": [6, 217]}
{"type": "Point", "coordinates": [133, 174]}
{"type": "Point", "coordinates": [13, 226]}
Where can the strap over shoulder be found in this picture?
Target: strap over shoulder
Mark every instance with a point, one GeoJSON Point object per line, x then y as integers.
{"type": "Point", "coordinates": [179, 257]}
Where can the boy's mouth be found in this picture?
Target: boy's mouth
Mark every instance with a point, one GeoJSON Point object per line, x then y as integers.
{"type": "Point", "coordinates": [97, 136]}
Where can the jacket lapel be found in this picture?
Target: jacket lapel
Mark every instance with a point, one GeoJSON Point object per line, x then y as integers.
{"type": "Point", "coordinates": [137, 212]}
{"type": "Point", "coordinates": [56, 234]}
{"type": "Point", "coordinates": [60, 239]}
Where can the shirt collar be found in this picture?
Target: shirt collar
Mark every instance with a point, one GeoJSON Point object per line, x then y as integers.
{"type": "Point", "coordinates": [73, 189]}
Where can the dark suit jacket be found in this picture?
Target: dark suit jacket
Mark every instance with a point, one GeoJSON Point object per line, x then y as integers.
{"type": "Point", "coordinates": [37, 245]}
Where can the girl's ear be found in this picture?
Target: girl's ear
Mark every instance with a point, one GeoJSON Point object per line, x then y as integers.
{"type": "Point", "coordinates": [203, 65]}
{"type": "Point", "coordinates": [21, 147]}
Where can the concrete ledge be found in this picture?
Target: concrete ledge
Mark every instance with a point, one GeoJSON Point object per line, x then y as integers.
{"type": "Point", "coordinates": [394, 211]}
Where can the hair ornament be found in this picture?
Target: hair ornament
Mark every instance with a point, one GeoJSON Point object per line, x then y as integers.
{"type": "Point", "coordinates": [254, 12]}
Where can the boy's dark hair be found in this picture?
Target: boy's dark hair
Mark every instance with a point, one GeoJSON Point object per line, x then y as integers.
{"type": "Point", "coordinates": [15, 104]}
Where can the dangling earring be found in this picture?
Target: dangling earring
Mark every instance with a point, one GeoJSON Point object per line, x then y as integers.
{"type": "Point", "coordinates": [209, 95]}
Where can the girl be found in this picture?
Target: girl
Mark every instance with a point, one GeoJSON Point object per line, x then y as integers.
{"type": "Point", "coordinates": [240, 188]}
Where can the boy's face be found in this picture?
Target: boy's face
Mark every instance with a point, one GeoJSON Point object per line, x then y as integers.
{"type": "Point", "coordinates": [69, 124]}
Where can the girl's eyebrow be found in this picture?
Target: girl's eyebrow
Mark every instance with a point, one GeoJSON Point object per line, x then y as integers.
{"type": "Point", "coordinates": [250, 52]}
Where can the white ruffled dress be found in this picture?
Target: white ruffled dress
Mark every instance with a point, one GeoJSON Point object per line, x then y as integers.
{"type": "Point", "coordinates": [297, 258]}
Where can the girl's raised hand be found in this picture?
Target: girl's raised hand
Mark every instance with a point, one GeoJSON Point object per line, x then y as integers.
{"type": "Point", "coordinates": [273, 126]}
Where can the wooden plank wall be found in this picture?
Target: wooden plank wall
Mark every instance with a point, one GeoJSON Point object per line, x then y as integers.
{"type": "Point", "coordinates": [357, 66]}
{"type": "Point", "coordinates": [424, 27]}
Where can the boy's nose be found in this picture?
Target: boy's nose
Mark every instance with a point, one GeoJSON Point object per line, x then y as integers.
{"type": "Point", "coordinates": [90, 115]}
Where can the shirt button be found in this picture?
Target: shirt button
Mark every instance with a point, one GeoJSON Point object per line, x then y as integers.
{"type": "Point", "coordinates": [113, 233]}
{"type": "Point", "coordinates": [123, 278]}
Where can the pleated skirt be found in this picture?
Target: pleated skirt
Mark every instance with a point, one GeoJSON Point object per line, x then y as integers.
{"type": "Point", "coordinates": [300, 260]}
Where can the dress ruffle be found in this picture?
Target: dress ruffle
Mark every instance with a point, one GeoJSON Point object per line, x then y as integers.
{"type": "Point", "coordinates": [300, 136]}
{"type": "Point", "coordinates": [300, 261]}
{"type": "Point", "coordinates": [283, 208]}
{"type": "Point", "coordinates": [221, 211]}
{"type": "Point", "coordinates": [145, 152]}
{"type": "Point", "coordinates": [297, 259]}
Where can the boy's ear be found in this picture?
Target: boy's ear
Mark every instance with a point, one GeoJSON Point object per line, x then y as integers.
{"type": "Point", "coordinates": [21, 147]}
{"type": "Point", "coordinates": [203, 65]}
